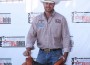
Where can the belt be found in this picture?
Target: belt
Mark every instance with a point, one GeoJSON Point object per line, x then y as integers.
{"type": "Point", "coordinates": [47, 50]}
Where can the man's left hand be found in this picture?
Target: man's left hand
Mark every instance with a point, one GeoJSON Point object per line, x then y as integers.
{"type": "Point", "coordinates": [61, 61]}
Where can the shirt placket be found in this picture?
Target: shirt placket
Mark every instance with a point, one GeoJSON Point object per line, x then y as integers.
{"type": "Point", "coordinates": [48, 31]}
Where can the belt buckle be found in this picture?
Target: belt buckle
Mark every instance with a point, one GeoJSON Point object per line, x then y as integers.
{"type": "Point", "coordinates": [47, 50]}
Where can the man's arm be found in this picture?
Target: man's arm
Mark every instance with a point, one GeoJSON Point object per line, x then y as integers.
{"type": "Point", "coordinates": [31, 38]}
{"type": "Point", "coordinates": [66, 42]}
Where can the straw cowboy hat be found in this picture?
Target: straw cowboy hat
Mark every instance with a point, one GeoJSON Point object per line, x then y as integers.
{"type": "Point", "coordinates": [51, 1]}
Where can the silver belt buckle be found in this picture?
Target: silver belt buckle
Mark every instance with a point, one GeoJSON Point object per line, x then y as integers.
{"type": "Point", "coordinates": [47, 50]}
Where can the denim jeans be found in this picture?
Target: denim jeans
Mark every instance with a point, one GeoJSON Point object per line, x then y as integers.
{"type": "Point", "coordinates": [48, 58]}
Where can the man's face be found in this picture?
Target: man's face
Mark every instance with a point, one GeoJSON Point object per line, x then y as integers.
{"type": "Point", "coordinates": [48, 7]}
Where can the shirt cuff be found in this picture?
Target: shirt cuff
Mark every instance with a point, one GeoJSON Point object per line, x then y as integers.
{"type": "Point", "coordinates": [67, 49]}
{"type": "Point", "coordinates": [29, 45]}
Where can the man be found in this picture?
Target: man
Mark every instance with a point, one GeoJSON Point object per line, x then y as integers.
{"type": "Point", "coordinates": [50, 29]}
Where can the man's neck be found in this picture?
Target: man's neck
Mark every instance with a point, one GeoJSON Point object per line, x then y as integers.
{"type": "Point", "coordinates": [48, 14]}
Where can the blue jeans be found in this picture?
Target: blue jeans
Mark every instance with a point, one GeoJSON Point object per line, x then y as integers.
{"type": "Point", "coordinates": [49, 58]}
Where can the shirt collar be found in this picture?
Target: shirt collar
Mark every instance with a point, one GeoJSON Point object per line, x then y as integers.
{"type": "Point", "coordinates": [52, 15]}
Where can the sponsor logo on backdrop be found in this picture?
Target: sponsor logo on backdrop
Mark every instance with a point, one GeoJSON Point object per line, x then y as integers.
{"type": "Point", "coordinates": [80, 61]}
{"type": "Point", "coordinates": [12, 41]}
{"type": "Point", "coordinates": [5, 18]}
{"type": "Point", "coordinates": [10, 0]}
{"type": "Point", "coordinates": [5, 61]}
{"type": "Point", "coordinates": [32, 15]}
{"type": "Point", "coordinates": [81, 17]}
{"type": "Point", "coordinates": [71, 41]}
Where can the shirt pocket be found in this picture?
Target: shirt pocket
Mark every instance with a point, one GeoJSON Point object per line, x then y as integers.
{"type": "Point", "coordinates": [56, 29]}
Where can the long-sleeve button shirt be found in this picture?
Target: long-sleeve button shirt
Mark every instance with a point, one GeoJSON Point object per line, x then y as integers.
{"type": "Point", "coordinates": [52, 33]}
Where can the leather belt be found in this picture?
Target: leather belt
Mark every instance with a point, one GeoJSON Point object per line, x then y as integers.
{"type": "Point", "coordinates": [47, 50]}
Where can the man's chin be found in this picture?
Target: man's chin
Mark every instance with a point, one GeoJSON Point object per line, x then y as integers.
{"type": "Point", "coordinates": [48, 11]}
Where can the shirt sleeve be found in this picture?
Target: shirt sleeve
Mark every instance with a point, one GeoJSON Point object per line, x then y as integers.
{"type": "Point", "coordinates": [66, 36]}
{"type": "Point", "coordinates": [31, 36]}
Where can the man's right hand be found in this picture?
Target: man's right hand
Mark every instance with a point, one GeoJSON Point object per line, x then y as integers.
{"type": "Point", "coordinates": [29, 59]}
{"type": "Point", "coordinates": [26, 53]}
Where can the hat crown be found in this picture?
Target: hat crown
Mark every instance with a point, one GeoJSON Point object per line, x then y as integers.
{"type": "Point", "coordinates": [51, 1]}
